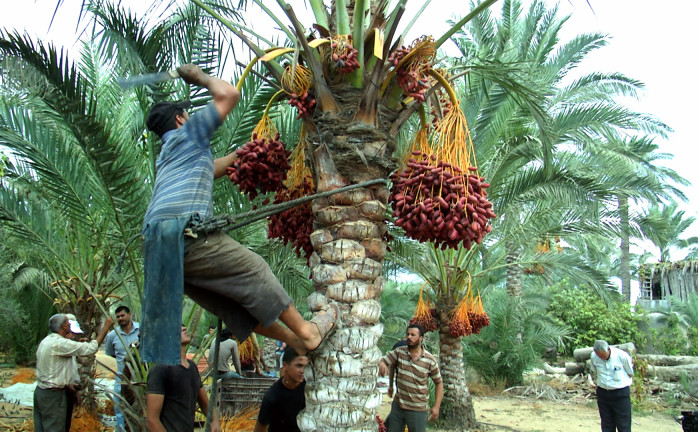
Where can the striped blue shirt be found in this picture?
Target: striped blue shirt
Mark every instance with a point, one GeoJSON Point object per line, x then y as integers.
{"type": "Point", "coordinates": [184, 180]}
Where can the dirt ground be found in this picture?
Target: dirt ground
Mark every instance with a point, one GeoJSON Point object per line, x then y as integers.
{"type": "Point", "coordinates": [531, 410]}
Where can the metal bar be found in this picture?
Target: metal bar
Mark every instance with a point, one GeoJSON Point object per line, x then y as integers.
{"type": "Point", "coordinates": [214, 374]}
{"type": "Point", "coordinates": [231, 221]}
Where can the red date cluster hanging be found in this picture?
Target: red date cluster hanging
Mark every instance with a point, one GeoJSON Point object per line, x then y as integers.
{"type": "Point", "coordinates": [412, 75]}
{"type": "Point", "coordinates": [412, 84]}
{"type": "Point", "coordinates": [478, 320]}
{"type": "Point", "coordinates": [427, 321]}
{"type": "Point", "coordinates": [458, 328]}
{"type": "Point", "coordinates": [294, 225]}
{"type": "Point", "coordinates": [439, 203]}
{"type": "Point", "coordinates": [261, 165]}
{"type": "Point", "coordinates": [344, 57]}
{"type": "Point", "coordinates": [305, 104]}
{"type": "Point", "coordinates": [396, 56]}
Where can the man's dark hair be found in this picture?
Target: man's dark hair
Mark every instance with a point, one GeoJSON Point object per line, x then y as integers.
{"type": "Point", "coordinates": [400, 343]}
{"type": "Point", "coordinates": [161, 118]}
{"type": "Point", "coordinates": [123, 308]}
{"type": "Point", "coordinates": [418, 327]}
{"type": "Point", "coordinates": [226, 334]}
{"type": "Point", "coordinates": [290, 354]}
{"type": "Point", "coordinates": [211, 327]}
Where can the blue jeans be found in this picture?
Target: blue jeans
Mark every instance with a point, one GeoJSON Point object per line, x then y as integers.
{"type": "Point", "coordinates": [120, 424]}
{"type": "Point", "coordinates": [229, 375]}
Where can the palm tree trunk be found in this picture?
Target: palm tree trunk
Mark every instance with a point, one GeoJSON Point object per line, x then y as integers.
{"type": "Point", "coordinates": [85, 310]}
{"type": "Point", "coordinates": [514, 273]}
{"type": "Point", "coordinates": [346, 266]}
{"type": "Point", "coordinates": [624, 211]}
{"type": "Point", "coordinates": [457, 409]}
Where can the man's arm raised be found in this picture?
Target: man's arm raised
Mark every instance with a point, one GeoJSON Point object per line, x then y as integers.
{"type": "Point", "coordinates": [225, 95]}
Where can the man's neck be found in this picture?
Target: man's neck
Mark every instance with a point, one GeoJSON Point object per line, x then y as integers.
{"type": "Point", "coordinates": [415, 350]}
{"type": "Point", "coordinates": [288, 384]}
{"type": "Point", "coordinates": [127, 328]}
{"type": "Point", "coordinates": [183, 357]}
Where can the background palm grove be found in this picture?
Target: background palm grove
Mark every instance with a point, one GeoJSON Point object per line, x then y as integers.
{"type": "Point", "coordinates": [573, 179]}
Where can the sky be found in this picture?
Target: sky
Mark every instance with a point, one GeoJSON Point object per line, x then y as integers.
{"type": "Point", "coordinates": [651, 43]}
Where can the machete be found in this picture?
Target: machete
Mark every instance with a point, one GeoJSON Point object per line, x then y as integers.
{"type": "Point", "coordinates": [147, 79]}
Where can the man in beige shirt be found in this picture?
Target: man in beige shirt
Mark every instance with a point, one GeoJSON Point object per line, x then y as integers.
{"type": "Point", "coordinates": [55, 371]}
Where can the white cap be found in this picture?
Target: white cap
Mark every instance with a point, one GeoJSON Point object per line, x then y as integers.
{"type": "Point", "coordinates": [74, 326]}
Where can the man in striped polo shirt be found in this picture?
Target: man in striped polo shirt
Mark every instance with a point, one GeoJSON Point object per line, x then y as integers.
{"type": "Point", "coordinates": [412, 365]}
{"type": "Point", "coordinates": [215, 271]}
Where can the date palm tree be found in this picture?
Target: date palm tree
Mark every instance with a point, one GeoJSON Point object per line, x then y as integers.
{"type": "Point", "coordinates": [664, 226]}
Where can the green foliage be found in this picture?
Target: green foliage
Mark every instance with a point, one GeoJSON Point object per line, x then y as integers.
{"type": "Point", "coordinates": [639, 390]}
{"type": "Point", "coordinates": [25, 308]}
{"type": "Point", "coordinates": [669, 340]}
{"type": "Point", "coordinates": [590, 318]}
{"type": "Point", "coordinates": [679, 336]}
{"type": "Point", "coordinates": [397, 307]}
{"type": "Point", "coordinates": [518, 334]}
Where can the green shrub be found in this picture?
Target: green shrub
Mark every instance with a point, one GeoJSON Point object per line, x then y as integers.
{"type": "Point", "coordinates": [518, 334]}
{"type": "Point", "coordinates": [591, 318]}
{"type": "Point", "coordinates": [669, 340]}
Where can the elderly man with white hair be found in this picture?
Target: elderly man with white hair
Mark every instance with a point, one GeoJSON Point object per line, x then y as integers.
{"type": "Point", "coordinates": [613, 368]}
{"type": "Point", "coordinates": [55, 370]}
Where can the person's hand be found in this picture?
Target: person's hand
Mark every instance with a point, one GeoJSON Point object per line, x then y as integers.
{"type": "Point", "coordinates": [390, 390]}
{"type": "Point", "coordinates": [108, 322]}
{"type": "Point", "coordinates": [434, 414]}
{"type": "Point", "coordinates": [382, 368]}
{"type": "Point", "coordinates": [74, 390]}
{"type": "Point", "coordinates": [191, 73]}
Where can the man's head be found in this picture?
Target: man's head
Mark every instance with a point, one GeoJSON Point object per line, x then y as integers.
{"type": "Point", "coordinates": [75, 330]}
{"type": "Point", "coordinates": [226, 334]}
{"type": "Point", "coordinates": [293, 366]}
{"type": "Point", "coordinates": [414, 335]}
{"type": "Point", "coordinates": [211, 329]}
{"type": "Point", "coordinates": [64, 325]}
{"type": "Point", "coordinates": [602, 349]}
{"type": "Point", "coordinates": [185, 335]}
{"type": "Point", "coordinates": [166, 116]}
{"type": "Point", "coordinates": [123, 316]}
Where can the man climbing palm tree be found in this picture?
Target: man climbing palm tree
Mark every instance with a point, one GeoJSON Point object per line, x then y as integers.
{"type": "Point", "coordinates": [213, 269]}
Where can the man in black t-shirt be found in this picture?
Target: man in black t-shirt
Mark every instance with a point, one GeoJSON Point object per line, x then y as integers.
{"type": "Point", "coordinates": [173, 392]}
{"type": "Point", "coordinates": [285, 398]}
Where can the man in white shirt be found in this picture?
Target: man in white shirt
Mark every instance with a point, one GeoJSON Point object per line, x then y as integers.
{"type": "Point", "coordinates": [55, 371]}
{"type": "Point", "coordinates": [613, 369]}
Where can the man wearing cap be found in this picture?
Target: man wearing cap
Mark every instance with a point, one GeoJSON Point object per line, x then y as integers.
{"type": "Point", "coordinates": [55, 370]}
{"type": "Point", "coordinates": [214, 270]}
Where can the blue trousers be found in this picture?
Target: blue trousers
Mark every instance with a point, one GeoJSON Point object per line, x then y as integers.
{"type": "Point", "coordinates": [614, 409]}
